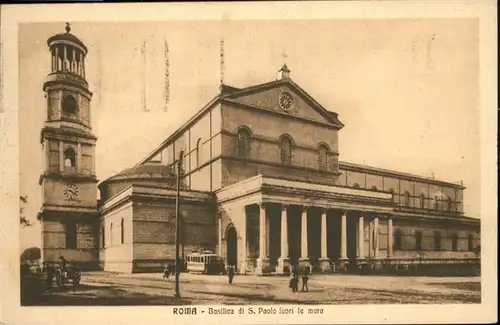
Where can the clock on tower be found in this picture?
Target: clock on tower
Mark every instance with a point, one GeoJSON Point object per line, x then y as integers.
{"type": "Point", "coordinates": [68, 182]}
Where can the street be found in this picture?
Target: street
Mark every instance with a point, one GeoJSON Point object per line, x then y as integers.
{"type": "Point", "coordinates": [103, 288]}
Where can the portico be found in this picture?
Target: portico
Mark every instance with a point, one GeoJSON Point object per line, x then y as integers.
{"type": "Point", "coordinates": [307, 224]}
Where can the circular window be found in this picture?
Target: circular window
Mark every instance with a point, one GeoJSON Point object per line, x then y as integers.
{"type": "Point", "coordinates": [285, 101]}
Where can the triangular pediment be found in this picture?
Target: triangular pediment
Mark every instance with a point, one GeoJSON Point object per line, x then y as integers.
{"type": "Point", "coordinates": [284, 96]}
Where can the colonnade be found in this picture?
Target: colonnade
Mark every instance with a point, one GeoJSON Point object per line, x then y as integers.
{"type": "Point", "coordinates": [283, 261]}
{"type": "Point", "coordinates": [67, 62]}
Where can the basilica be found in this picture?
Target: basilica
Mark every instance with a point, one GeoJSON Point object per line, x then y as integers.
{"type": "Point", "coordinates": [262, 185]}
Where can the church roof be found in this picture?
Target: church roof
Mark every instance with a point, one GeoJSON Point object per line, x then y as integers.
{"type": "Point", "coordinates": [67, 36]}
{"type": "Point", "coordinates": [145, 171]}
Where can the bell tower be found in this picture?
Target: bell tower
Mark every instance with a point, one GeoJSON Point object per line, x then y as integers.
{"type": "Point", "coordinates": [69, 211]}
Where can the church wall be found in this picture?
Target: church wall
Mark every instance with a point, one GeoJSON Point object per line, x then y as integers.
{"type": "Point", "coordinates": [154, 231]}
{"type": "Point", "coordinates": [234, 213]}
{"type": "Point", "coordinates": [234, 171]}
{"type": "Point", "coordinates": [408, 249]}
{"type": "Point", "coordinates": [400, 186]}
{"type": "Point", "coordinates": [117, 256]}
{"type": "Point", "coordinates": [354, 178]}
{"type": "Point", "coordinates": [201, 179]}
{"type": "Point", "coordinates": [271, 127]}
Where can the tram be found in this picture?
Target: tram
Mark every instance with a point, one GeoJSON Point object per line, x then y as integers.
{"type": "Point", "coordinates": [204, 262]}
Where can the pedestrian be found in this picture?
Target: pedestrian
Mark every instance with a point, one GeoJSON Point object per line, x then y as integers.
{"type": "Point", "coordinates": [294, 278]}
{"type": "Point", "coordinates": [231, 270]}
{"type": "Point", "coordinates": [305, 278]}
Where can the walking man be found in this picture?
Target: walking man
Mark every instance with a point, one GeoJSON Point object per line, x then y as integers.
{"type": "Point", "coordinates": [305, 278]}
{"type": "Point", "coordinates": [230, 273]}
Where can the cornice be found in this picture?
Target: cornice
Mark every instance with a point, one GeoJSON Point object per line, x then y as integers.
{"type": "Point", "coordinates": [69, 177]}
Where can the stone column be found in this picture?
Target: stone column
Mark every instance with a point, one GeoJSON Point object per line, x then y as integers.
{"type": "Point", "coordinates": [268, 236]}
{"type": "Point", "coordinates": [219, 229]}
{"type": "Point", "coordinates": [324, 261]}
{"type": "Point", "coordinates": [284, 260]}
{"type": "Point", "coordinates": [361, 238]}
{"type": "Point", "coordinates": [343, 236]}
{"type": "Point", "coordinates": [61, 156]}
{"type": "Point", "coordinates": [375, 237]}
{"type": "Point", "coordinates": [262, 260]}
{"type": "Point", "coordinates": [389, 237]}
{"type": "Point", "coordinates": [244, 245]}
{"type": "Point", "coordinates": [304, 254]}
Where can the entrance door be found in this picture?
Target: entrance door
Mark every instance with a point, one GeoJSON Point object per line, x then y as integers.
{"type": "Point", "coordinates": [232, 247]}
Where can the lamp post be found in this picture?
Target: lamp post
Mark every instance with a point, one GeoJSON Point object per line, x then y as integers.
{"type": "Point", "coordinates": [177, 293]}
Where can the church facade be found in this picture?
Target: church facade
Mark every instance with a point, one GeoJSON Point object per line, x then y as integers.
{"type": "Point", "coordinates": [262, 186]}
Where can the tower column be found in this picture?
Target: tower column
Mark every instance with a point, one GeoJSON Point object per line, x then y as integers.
{"type": "Point", "coordinates": [61, 156]}
{"type": "Point", "coordinates": [324, 261]}
{"type": "Point", "coordinates": [57, 58]}
{"type": "Point", "coordinates": [65, 61]}
{"type": "Point", "coordinates": [262, 260]}
{"type": "Point", "coordinates": [79, 157]}
{"type": "Point", "coordinates": [80, 70]}
{"type": "Point", "coordinates": [284, 260]}
{"type": "Point", "coordinates": [304, 256]}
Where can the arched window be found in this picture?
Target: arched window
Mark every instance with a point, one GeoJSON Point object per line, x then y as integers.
{"type": "Point", "coordinates": [69, 158]}
{"type": "Point", "coordinates": [437, 240]}
{"type": "Point", "coordinates": [374, 188]}
{"type": "Point", "coordinates": [418, 240]}
{"type": "Point", "coordinates": [448, 204]}
{"type": "Point", "coordinates": [407, 198]}
{"type": "Point", "coordinates": [103, 237]}
{"type": "Point", "coordinates": [243, 145]}
{"type": "Point", "coordinates": [454, 242]}
{"type": "Point", "coordinates": [323, 157]}
{"type": "Point", "coordinates": [356, 185]}
{"type": "Point", "coordinates": [69, 105]}
{"type": "Point", "coordinates": [198, 148]}
{"type": "Point", "coordinates": [422, 201]}
{"type": "Point", "coordinates": [398, 236]}
{"type": "Point", "coordinates": [286, 150]}
{"type": "Point", "coordinates": [470, 243]}
{"type": "Point", "coordinates": [122, 232]}
{"type": "Point", "coordinates": [111, 234]}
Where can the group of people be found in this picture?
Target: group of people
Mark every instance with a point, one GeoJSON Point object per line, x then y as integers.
{"type": "Point", "coordinates": [294, 278]}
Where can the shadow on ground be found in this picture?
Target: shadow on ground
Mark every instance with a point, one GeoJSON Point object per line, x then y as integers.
{"type": "Point", "coordinates": [86, 295]}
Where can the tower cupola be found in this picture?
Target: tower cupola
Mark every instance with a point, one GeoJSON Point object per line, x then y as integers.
{"type": "Point", "coordinates": [67, 59]}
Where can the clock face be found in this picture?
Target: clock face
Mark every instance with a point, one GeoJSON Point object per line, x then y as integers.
{"type": "Point", "coordinates": [285, 101]}
{"type": "Point", "coordinates": [71, 191]}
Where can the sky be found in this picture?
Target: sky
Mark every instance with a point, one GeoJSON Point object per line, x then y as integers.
{"type": "Point", "coordinates": [407, 90]}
